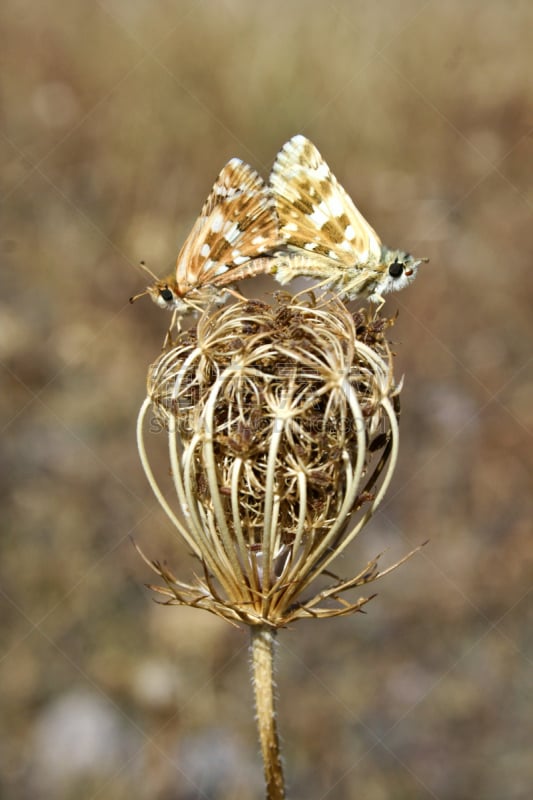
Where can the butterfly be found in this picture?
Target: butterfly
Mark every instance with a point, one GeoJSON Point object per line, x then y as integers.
{"type": "Point", "coordinates": [238, 223]}
{"type": "Point", "coordinates": [325, 235]}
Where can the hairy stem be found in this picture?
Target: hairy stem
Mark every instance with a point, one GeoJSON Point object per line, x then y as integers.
{"type": "Point", "coordinates": [262, 658]}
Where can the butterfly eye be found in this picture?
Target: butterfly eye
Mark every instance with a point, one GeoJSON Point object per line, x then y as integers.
{"type": "Point", "coordinates": [167, 295]}
{"type": "Point", "coordinates": [395, 269]}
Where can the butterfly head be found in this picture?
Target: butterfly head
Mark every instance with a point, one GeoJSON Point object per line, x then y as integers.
{"type": "Point", "coordinates": [162, 294]}
{"type": "Point", "coordinates": [399, 270]}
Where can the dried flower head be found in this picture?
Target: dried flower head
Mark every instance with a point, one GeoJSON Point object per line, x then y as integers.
{"type": "Point", "coordinates": [282, 426]}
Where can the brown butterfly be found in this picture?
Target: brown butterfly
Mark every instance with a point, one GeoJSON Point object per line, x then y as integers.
{"type": "Point", "coordinates": [324, 233]}
{"type": "Point", "coordinates": [237, 224]}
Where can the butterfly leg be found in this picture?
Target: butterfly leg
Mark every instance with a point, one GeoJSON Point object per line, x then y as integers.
{"type": "Point", "coordinates": [379, 305]}
{"type": "Point", "coordinates": [320, 285]}
{"type": "Point", "coordinates": [167, 343]}
{"type": "Point", "coordinates": [341, 295]}
{"type": "Point", "coordinates": [235, 293]}
{"type": "Point", "coordinates": [175, 322]}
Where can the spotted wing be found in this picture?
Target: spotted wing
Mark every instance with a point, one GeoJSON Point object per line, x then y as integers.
{"type": "Point", "coordinates": [315, 212]}
{"type": "Point", "coordinates": [238, 223]}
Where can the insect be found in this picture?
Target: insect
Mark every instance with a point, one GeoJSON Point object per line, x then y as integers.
{"type": "Point", "coordinates": [325, 235]}
{"type": "Point", "coordinates": [237, 223]}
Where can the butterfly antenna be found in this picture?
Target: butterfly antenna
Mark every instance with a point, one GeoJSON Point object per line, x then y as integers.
{"type": "Point", "coordinates": [148, 271]}
{"type": "Point", "coordinates": [136, 296]}
{"type": "Point", "coordinates": [146, 291]}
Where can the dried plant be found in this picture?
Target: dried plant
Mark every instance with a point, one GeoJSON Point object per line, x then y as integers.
{"type": "Point", "coordinates": [282, 429]}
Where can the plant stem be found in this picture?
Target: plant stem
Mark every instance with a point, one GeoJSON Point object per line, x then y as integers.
{"type": "Point", "coordinates": [262, 653]}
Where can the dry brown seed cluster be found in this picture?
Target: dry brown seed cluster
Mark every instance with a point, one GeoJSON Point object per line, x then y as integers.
{"type": "Point", "coordinates": [282, 433]}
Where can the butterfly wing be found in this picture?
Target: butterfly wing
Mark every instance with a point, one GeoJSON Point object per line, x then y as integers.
{"type": "Point", "coordinates": [238, 222]}
{"type": "Point", "coordinates": [315, 212]}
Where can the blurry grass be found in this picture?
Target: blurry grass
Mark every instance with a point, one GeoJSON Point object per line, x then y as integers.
{"type": "Point", "coordinates": [116, 119]}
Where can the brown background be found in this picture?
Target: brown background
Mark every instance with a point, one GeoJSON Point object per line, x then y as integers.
{"type": "Point", "coordinates": [117, 116]}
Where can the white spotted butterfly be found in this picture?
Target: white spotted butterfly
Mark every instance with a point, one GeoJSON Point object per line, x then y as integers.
{"type": "Point", "coordinates": [325, 235]}
{"type": "Point", "coordinates": [237, 224]}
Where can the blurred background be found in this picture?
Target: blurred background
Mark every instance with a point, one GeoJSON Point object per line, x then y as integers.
{"type": "Point", "coordinates": [117, 116]}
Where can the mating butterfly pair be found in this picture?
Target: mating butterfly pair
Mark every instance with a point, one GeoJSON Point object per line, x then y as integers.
{"type": "Point", "coordinates": [302, 224]}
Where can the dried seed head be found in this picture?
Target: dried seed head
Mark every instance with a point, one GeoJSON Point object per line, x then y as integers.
{"type": "Point", "coordinates": [282, 429]}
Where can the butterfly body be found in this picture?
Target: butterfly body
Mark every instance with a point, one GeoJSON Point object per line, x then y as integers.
{"type": "Point", "coordinates": [371, 280]}
{"type": "Point", "coordinates": [325, 235]}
